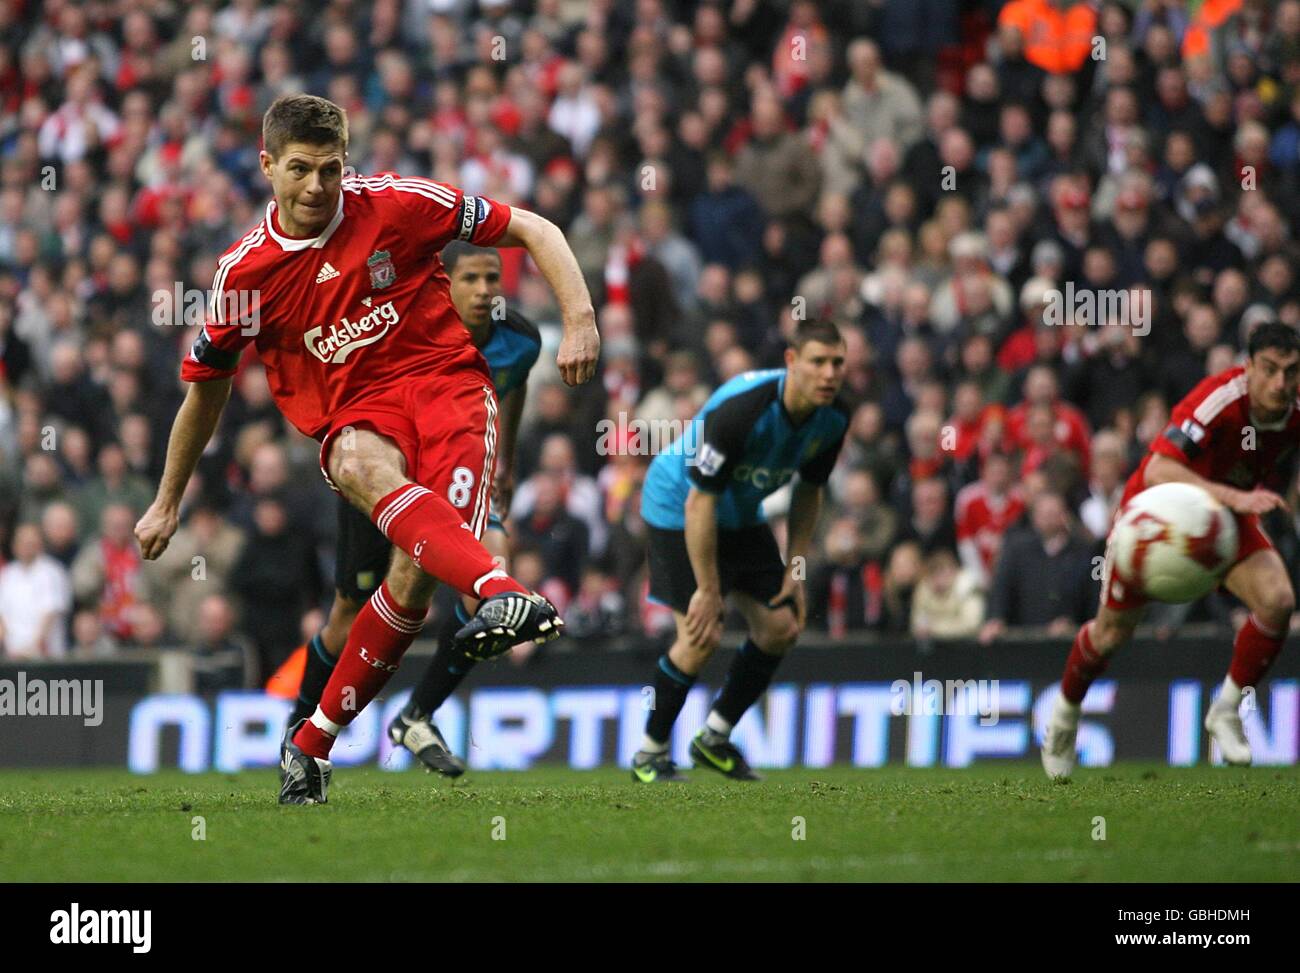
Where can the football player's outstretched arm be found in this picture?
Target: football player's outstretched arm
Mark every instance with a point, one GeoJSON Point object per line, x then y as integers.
{"type": "Point", "coordinates": [195, 423]}
{"type": "Point", "coordinates": [1166, 469]}
{"type": "Point", "coordinates": [580, 346]}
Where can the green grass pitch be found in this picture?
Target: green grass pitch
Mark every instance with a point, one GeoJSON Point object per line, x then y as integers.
{"type": "Point", "coordinates": [1003, 822]}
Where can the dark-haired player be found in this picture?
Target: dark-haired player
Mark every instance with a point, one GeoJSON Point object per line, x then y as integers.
{"type": "Point", "coordinates": [1206, 443]}
{"type": "Point", "coordinates": [510, 344]}
{"type": "Point", "coordinates": [708, 538]}
{"type": "Point", "coordinates": [364, 352]}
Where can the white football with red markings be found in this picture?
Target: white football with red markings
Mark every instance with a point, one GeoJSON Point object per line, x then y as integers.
{"type": "Point", "coordinates": [1173, 542]}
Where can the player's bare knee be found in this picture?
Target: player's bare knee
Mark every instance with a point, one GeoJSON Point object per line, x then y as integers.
{"type": "Point", "coordinates": [1108, 634]}
{"type": "Point", "coordinates": [779, 634]}
{"type": "Point", "coordinates": [1275, 605]}
{"type": "Point", "coordinates": [689, 655]}
{"type": "Point", "coordinates": [355, 477]}
{"type": "Point", "coordinates": [776, 646]}
{"type": "Point", "coordinates": [366, 470]}
{"type": "Point", "coordinates": [1107, 640]}
{"type": "Point", "coordinates": [348, 472]}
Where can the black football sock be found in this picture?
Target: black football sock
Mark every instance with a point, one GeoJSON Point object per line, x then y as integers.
{"type": "Point", "coordinates": [750, 674]}
{"type": "Point", "coordinates": [319, 668]}
{"type": "Point", "coordinates": [671, 688]}
{"type": "Point", "coordinates": [446, 670]}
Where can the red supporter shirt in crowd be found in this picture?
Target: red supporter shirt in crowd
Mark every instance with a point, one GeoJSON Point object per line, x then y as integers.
{"type": "Point", "coordinates": [1207, 433]}
{"type": "Point", "coordinates": [120, 594]}
{"type": "Point", "coordinates": [970, 433]}
{"type": "Point", "coordinates": [983, 519]}
{"type": "Point", "coordinates": [1070, 431]}
{"type": "Point", "coordinates": [358, 310]}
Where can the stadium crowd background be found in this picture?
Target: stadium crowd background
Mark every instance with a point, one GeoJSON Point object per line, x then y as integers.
{"type": "Point", "coordinates": [921, 172]}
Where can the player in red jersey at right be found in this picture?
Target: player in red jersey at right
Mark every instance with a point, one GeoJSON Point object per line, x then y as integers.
{"type": "Point", "coordinates": [1206, 443]}
{"type": "Point", "coordinates": [340, 289]}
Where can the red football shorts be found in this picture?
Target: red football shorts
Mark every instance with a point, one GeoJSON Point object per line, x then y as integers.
{"type": "Point", "coordinates": [445, 426]}
{"type": "Point", "coordinates": [1118, 595]}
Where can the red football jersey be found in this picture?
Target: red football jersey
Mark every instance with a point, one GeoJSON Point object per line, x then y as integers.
{"type": "Point", "coordinates": [984, 519]}
{"type": "Point", "coordinates": [1207, 433]}
{"type": "Point", "coordinates": [358, 309]}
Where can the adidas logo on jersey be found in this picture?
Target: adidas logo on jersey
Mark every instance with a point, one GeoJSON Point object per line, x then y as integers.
{"type": "Point", "coordinates": [327, 272]}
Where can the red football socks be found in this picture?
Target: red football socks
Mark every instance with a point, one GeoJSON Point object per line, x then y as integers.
{"type": "Point", "coordinates": [1084, 665]}
{"type": "Point", "coordinates": [379, 637]}
{"type": "Point", "coordinates": [432, 532]}
{"type": "Point", "coordinates": [1253, 652]}
{"type": "Point", "coordinates": [430, 529]}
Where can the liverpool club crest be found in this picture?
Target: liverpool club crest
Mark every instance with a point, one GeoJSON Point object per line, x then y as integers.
{"type": "Point", "coordinates": [382, 271]}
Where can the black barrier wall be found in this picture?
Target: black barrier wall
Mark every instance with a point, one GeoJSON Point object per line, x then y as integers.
{"type": "Point", "coordinates": [952, 705]}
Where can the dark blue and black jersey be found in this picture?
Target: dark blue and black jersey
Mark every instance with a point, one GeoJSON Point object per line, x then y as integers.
{"type": "Point", "coordinates": [742, 446]}
{"type": "Point", "coordinates": [511, 352]}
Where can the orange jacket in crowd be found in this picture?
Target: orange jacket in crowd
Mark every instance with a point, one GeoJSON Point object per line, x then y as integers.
{"type": "Point", "coordinates": [1056, 40]}
{"type": "Point", "coordinates": [1209, 17]}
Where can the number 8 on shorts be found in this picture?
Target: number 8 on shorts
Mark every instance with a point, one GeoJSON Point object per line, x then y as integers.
{"type": "Point", "coordinates": [462, 486]}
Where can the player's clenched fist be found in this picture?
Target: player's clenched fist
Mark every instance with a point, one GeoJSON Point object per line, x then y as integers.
{"type": "Point", "coordinates": [155, 529]}
{"type": "Point", "coordinates": [579, 351]}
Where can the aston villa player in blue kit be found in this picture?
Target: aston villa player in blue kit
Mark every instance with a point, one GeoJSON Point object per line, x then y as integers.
{"type": "Point", "coordinates": [709, 540]}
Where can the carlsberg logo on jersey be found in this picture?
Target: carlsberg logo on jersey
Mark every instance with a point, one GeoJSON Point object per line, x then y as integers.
{"type": "Point", "coordinates": [345, 337]}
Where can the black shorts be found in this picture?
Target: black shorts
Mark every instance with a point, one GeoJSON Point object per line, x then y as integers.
{"type": "Point", "coordinates": [362, 556]}
{"type": "Point", "coordinates": [749, 561]}
{"type": "Point", "coordinates": [363, 553]}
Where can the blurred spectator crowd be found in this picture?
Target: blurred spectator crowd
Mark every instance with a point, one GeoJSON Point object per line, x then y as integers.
{"type": "Point", "coordinates": [922, 172]}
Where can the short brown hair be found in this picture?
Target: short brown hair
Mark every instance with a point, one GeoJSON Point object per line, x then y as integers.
{"type": "Point", "coordinates": [303, 118]}
{"type": "Point", "coordinates": [824, 331]}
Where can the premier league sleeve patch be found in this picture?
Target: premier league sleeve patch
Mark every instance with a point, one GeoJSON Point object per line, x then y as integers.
{"type": "Point", "coordinates": [709, 461]}
{"type": "Point", "coordinates": [1187, 438]}
{"type": "Point", "coordinates": [1194, 431]}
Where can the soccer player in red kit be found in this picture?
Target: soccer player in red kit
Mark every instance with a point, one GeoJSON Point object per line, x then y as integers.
{"type": "Point", "coordinates": [1207, 443]}
{"type": "Point", "coordinates": [339, 290]}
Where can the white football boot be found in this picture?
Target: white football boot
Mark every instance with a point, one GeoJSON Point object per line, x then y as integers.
{"type": "Point", "coordinates": [1059, 739]}
{"type": "Point", "coordinates": [1223, 723]}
